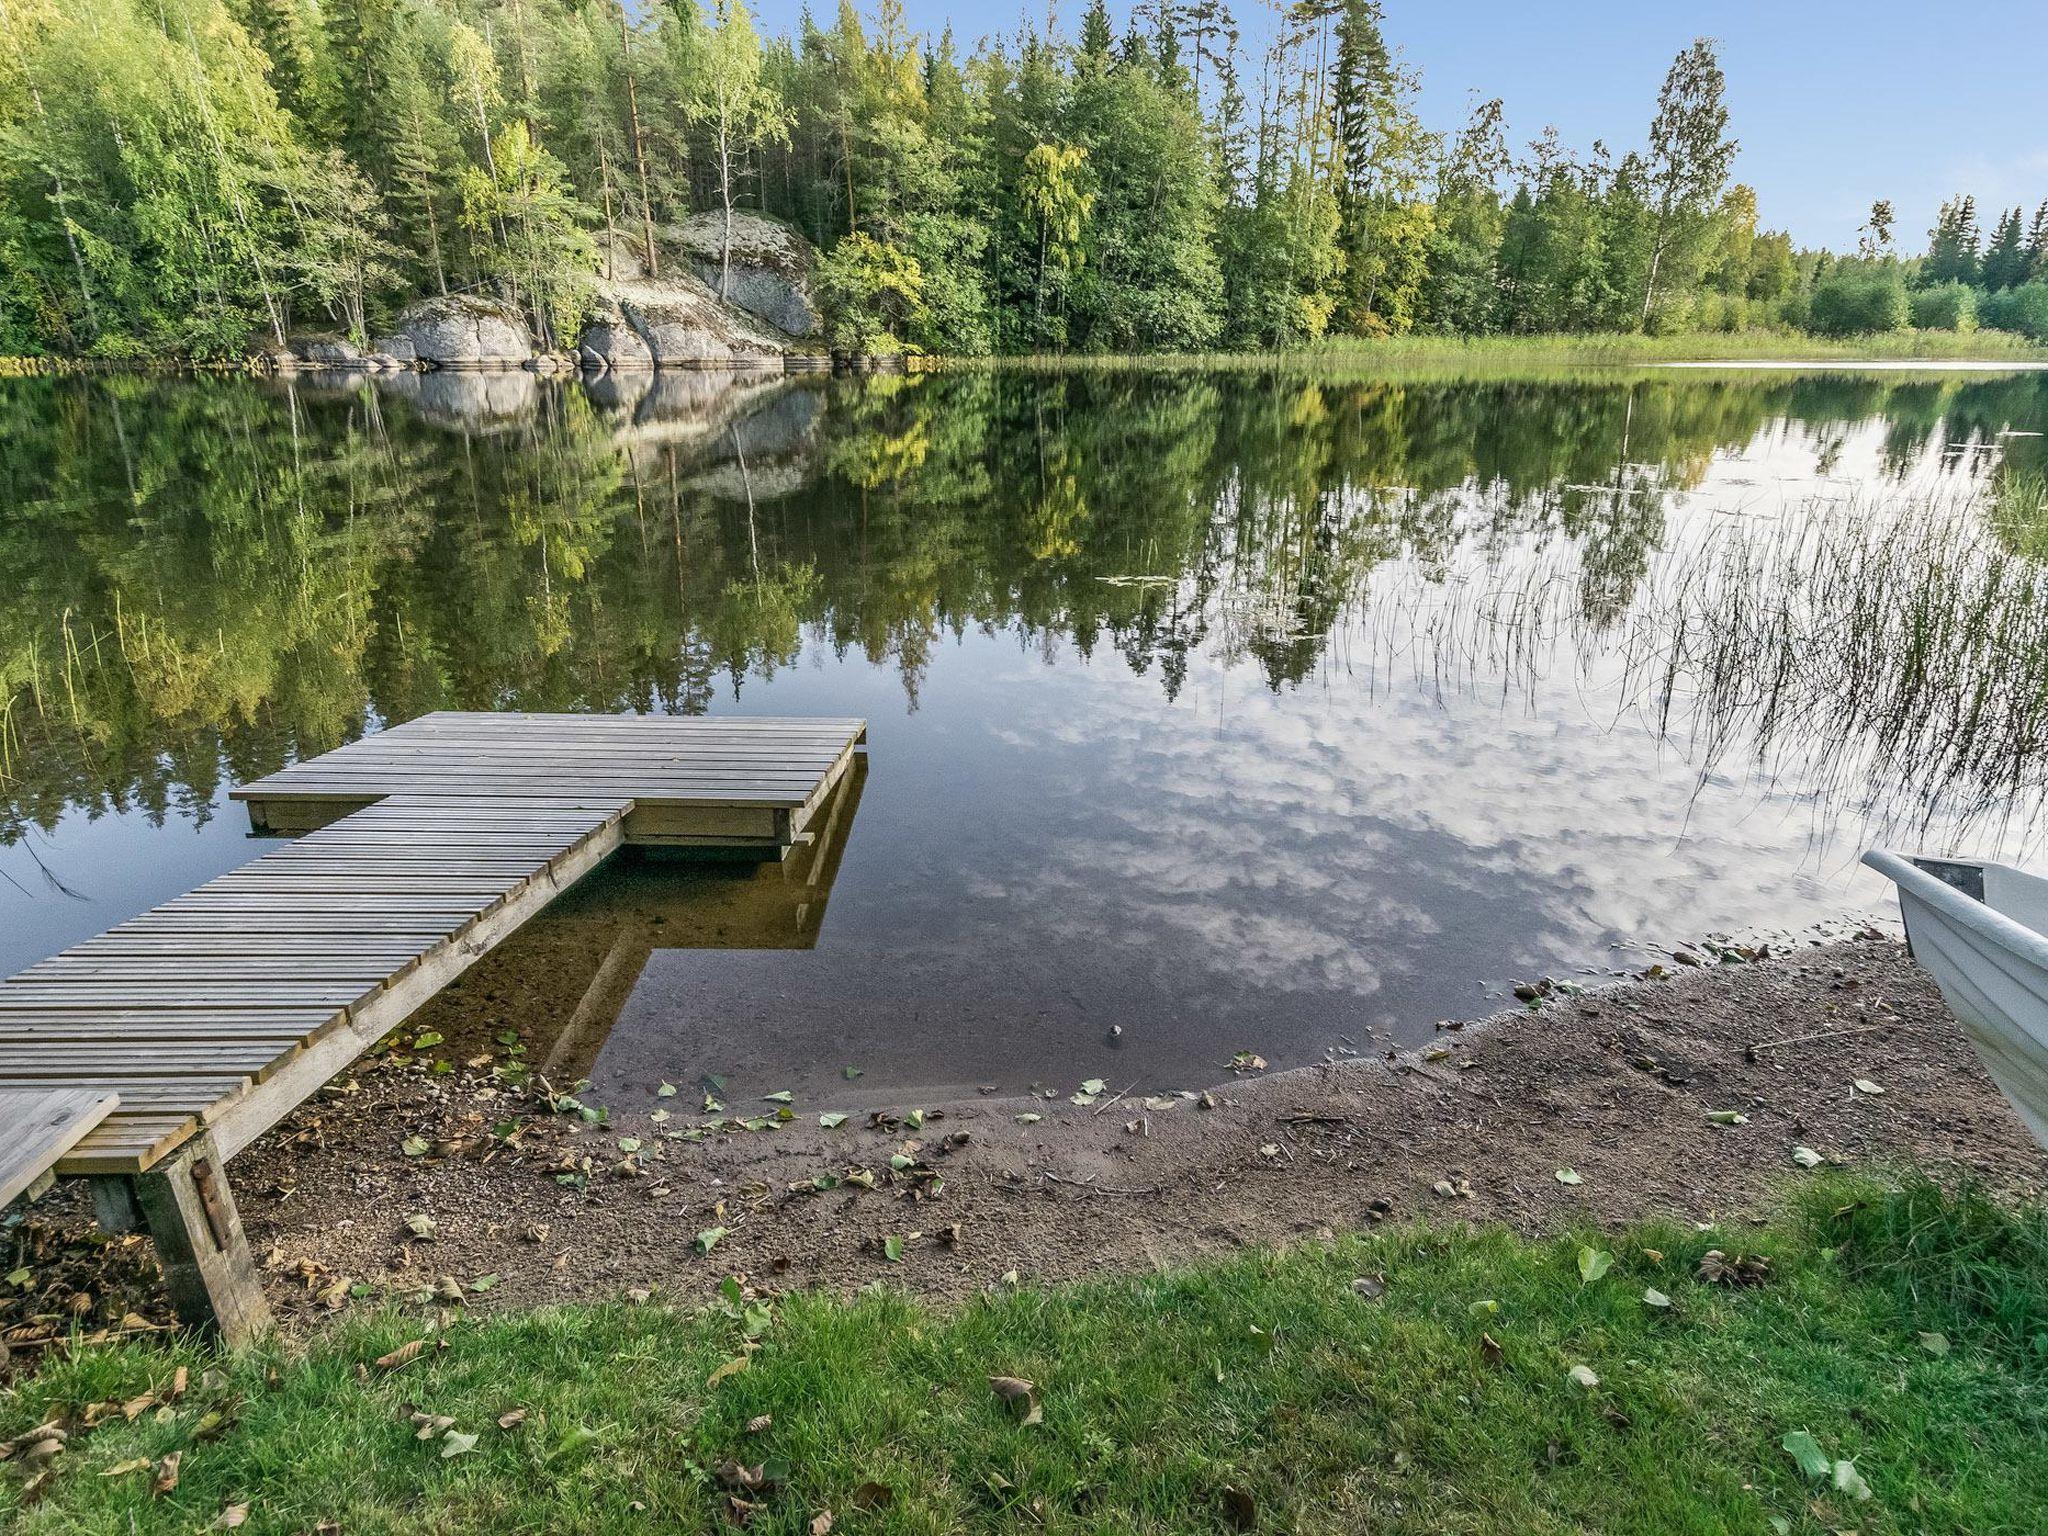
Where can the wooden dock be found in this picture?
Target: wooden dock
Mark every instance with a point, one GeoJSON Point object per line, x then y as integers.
{"type": "Point", "coordinates": [214, 1015]}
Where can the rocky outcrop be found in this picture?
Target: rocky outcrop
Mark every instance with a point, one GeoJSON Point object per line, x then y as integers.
{"type": "Point", "coordinates": [681, 324]}
{"type": "Point", "coordinates": [770, 272]}
{"type": "Point", "coordinates": [609, 342]}
{"type": "Point", "coordinates": [464, 331]}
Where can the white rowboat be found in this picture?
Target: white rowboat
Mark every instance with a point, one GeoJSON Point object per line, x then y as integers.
{"type": "Point", "coordinates": [1980, 929]}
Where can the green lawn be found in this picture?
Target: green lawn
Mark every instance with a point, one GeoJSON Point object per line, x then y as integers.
{"type": "Point", "coordinates": [1904, 1332]}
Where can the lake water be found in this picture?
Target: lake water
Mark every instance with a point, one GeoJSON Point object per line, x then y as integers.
{"type": "Point", "coordinates": [1237, 711]}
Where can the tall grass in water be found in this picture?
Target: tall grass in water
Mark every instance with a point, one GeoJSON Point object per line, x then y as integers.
{"type": "Point", "coordinates": [1894, 654]}
{"type": "Point", "coordinates": [1884, 659]}
{"type": "Point", "coordinates": [2019, 511]}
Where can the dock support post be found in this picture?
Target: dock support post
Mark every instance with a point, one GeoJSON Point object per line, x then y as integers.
{"type": "Point", "coordinates": [206, 1261]}
{"type": "Point", "coordinates": [113, 1203]}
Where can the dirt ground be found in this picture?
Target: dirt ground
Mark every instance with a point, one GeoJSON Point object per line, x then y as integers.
{"type": "Point", "coordinates": [1622, 1087]}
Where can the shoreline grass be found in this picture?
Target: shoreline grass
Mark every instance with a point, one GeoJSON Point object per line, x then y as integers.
{"type": "Point", "coordinates": [1420, 1379]}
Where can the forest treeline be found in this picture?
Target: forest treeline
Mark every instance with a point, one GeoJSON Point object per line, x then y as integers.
{"type": "Point", "coordinates": [197, 177]}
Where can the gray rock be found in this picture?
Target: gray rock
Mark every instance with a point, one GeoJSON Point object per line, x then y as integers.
{"type": "Point", "coordinates": [326, 351]}
{"type": "Point", "coordinates": [771, 267]}
{"type": "Point", "coordinates": [398, 348]}
{"type": "Point", "coordinates": [464, 331]}
{"type": "Point", "coordinates": [683, 325]}
{"type": "Point", "coordinates": [609, 342]}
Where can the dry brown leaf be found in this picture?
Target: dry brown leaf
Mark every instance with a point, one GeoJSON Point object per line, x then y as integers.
{"type": "Point", "coordinates": [822, 1523]}
{"type": "Point", "coordinates": [167, 1473]}
{"type": "Point", "coordinates": [873, 1495]}
{"type": "Point", "coordinates": [180, 1379]}
{"type": "Point", "coordinates": [1019, 1396]}
{"type": "Point", "coordinates": [402, 1356]}
{"type": "Point", "coordinates": [1240, 1509]}
{"type": "Point", "coordinates": [231, 1517]}
{"type": "Point", "coordinates": [759, 1422]}
{"type": "Point", "coordinates": [512, 1418]}
{"type": "Point", "coordinates": [731, 1367]}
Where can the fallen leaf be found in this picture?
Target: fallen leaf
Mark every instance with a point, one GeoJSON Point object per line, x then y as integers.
{"type": "Point", "coordinates": [709, 1239]}
{"type": "Point", "coordinates": [1582, 1376]}
{"type": "Point", "coordinates": [1806, 1451]}
{"type": "Point", "coordinates": [1027, 1118]}
{"type": "Point", "coordinates": [759, 1422]}
{"type": "Point", "coordinates": [1934, 1343]}
{"type": "Point", "coordinates": [414, 1146]}
{"type": "Point", "coordinates": [1569, 1176]}
{"type": "Point", "coordinates": [457, 1443]}
{"type": "Point", "coordinates": [821, 1523]}
{"type": "Point", "coordinates": [1593, 1263]}
{"type": "Point", "coordinates": [892, 1249]}
{"type": "Point", "coordinates": [402, 1356]}
{"type": "Point", "coordinates": [1718, 1268]}
{"type": "Point", "coordinates": [1865, 1085]}
{"type": "Point", "coordinates": [731, 1367]}
{"type": "Point", "coordinates": [422, 1226]}
{"type": "Point", "coordinates": [123, 1468]}
{"type": "Point", "coordinates": [1848, 1480]}
{"type": "Point", "coordinates": [1486, 1308]}
{"type": "Point", "coordinates": [832, 1119]}
{"type": "Point", "coordinates": [1240, 1509]}
{"type": "Point", "coordinates": [1490, 1350]}
{"type": "Point", "coordinates": [1652, 1297]}
{"type": "Point", "coordinates": [1019, 1396]}
{"type": "Point", "coordinates": [231, 1517]}
{"type": "Point", "coordinates": [780, 1096]}
{"type": "Point", "coordinates": [167, 1473]}
{"type": "Point", "coordinates": [1371, 1287]}
{"type": "Point", "coordinates": [512, 1418]}
{"type": "Point", "coordinates": [1727, 1117]}
{"type": "Point", "coordinates": [872, 1495]}
{"type": "Point", "coordinates": [1806, 1157]}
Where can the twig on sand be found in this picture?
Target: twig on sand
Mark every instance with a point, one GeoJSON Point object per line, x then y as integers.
{"type": "Point", "coordinates": [1749, 1051]}
{"type": "Point", "coordinates": [1112, 1104]}
{"type": "Point", "coordinates": [1092, 1187]}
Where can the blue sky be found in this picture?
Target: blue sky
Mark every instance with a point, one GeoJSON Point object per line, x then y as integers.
{"type": "Point", "coordinates": [1835, 103]}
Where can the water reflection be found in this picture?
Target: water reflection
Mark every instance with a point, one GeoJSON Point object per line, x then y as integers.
{"type": "Point", "coordinates": [1248, 711]}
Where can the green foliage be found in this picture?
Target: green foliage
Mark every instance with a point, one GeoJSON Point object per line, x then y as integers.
{"type": "Point", "coordinates": [2023, 309]}
{"type": "Point", "coordinates": [192, 176]}
{"type": "Point", "coordinates": [1944, 307]}
{"type": "Point", "coordinates": [1479, 1382]}
{"type": "Point", "coordinates": [869, 292]}
{"type": "Point", "coordinates": [1858, 300]}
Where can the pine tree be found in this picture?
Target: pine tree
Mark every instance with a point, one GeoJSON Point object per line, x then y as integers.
{"type": "Point", "coordinates": [2037, 247]}
{"type": "Point", "coordinates": [1952, 243]}
{"type": "Point", "coordinates": [2005, 259]}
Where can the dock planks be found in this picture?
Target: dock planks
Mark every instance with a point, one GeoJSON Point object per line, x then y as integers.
{"type": "Point", "coordinates": [426, 845]}
{"type": "Point", "coordinates": [698, 780]}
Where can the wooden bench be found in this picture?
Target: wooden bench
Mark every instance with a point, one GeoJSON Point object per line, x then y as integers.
{"type": "Point", "coordinates": [215, 1015]}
